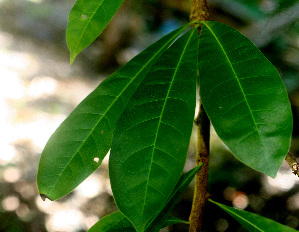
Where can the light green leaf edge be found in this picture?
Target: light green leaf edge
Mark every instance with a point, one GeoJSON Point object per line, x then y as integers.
{"type": "Point", "coordinates": [134, 164]}
{"type": "Point", "coordinates": [276, 136]}
{"type": "Point", "coordinates": [78, 146]}
{"type": "Point", "coordinates": [87, 20]}
{"type": "Point", "coordinates": [253, 222]}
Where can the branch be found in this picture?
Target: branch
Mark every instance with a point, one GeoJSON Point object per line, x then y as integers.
{"type": "Point", "coordinates": [293, 163]}
{"type": "Point", "coordinates": [201, 178]}
{"type": "Point", "coordinates": [199, 11]}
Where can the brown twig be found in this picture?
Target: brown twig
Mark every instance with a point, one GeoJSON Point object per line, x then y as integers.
{"type": "Point", "coordinates": [201, 178]}
{"type": "Point", "coordinates": [199, 11]}
{"type": "Point", "coordinates": [293, 163]}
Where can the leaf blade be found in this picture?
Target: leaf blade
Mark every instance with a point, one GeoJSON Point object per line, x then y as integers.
{"type": "Point", "coordinates": [157, 111]}
{"type": "Point", "coordinates": [253, 222]}
{"type": "Point", "coordinates": [68, 157]}
{"type": "Point", "coordinates": [113, 223]}
{"type": "Point", "coordinates": [158, 221]}
{"type": "Point", "coordinates": [244, 97]}
{"type": "Point", "coordinates": [87, 20]}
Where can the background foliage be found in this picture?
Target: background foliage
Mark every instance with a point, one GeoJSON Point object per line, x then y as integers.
{"type": "Point", "coordinates": [29, 27]}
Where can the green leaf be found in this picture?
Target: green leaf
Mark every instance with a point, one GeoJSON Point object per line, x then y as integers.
{"type": "Point", "coordinates": [171, 220]}
{"type": "Point", "coordinates": [158, 221]}
{"type": "Point", "coordinates": [87, 20]}
{"type": "Point", "coordinates": [81, 142]}
{"type": "Point", "coordinates": [253, 222]}
{"type": "Point", "coordinates": [114, 222]}
{"type": "Point", "coordinates": [244, 98]}
{"type": "Point", "coordinates": [152, 136]}
{"type": "Point", "coordinates": [118, 222]}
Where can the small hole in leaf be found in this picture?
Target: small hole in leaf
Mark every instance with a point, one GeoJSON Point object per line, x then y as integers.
{"type": "Point", "coordinates": [84, 16]}
{"type": "Point", "coordinates": [96, 159]}
{"type": "Point", "coordinates": [102, 132]}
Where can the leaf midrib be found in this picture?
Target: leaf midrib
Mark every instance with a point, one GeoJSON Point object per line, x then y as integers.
{"type": "Point", "coordinates": [160, 118]}
{"type": "Point", "coordinates": [117, 97]}
{"type": "Point", "coordinates": [237, 215]}
{"type": "Point", "coordinates": [236, 76]}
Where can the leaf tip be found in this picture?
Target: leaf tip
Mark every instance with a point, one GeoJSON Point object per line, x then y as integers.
{"type": "Point", "coordinates": [72, 58]}
{"type": "Point", "coordinates": [44, 197]}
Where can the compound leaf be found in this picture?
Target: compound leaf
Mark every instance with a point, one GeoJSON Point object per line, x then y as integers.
{"type": "Point", "coordinates": [152, 136]}
{"type": "Point", "coordinates": [81, 142]}
{"type": "Point", "coordinates": [253, 222]}
{"type": "Point", "coordinates": [244, 98]}
{"type": "Point", "coordinates": [87, 20]}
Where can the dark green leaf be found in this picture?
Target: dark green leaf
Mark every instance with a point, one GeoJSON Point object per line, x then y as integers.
{"type": "Point", "coordinates": [158, 221]}
{"type": "Point", "coordinates": [87, 20]}
{"type": "Point", "coordinates": [171, 220]}
{"type": "Point", "coordinates": [152, 136]}
{"type": "Point", "coordinates": [115, 222]}
{"type": "Point", "coordinates": [244, 97]}
{"type": "Point", "coordinates": [253, 222]}
{"type": "Point", "coordinates": [81, 142]}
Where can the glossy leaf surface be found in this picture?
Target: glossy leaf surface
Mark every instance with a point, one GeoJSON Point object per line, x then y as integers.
{"type": "Point", "coordinates": [114, 222]}
{"type": "Point", "coordinates": [253, 222]}
{"type": "Point", "coordinates": [87, 20]}
{"type": "Point", "coordinates": [79, 145]}
{"type": "Point", "coordinates": [244, 98]}
{"type": "Point", "coordinates": [152, 136]}
{"type": "Point", "coordinates": [158, 221]}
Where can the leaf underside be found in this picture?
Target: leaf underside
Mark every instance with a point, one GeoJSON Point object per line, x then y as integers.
{"type": "Point", "coordinates": [152, 136]}
{"type": "Point", "coordinates": [87, 20]}
{"type": "Point", "coordinates": [81, 142]}
{"type": "Point", "coordinates": [253, 222]}
{"type": "Point", "coordinates": [244, 98]}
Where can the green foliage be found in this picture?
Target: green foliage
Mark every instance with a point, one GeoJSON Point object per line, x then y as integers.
{"type": "Point", "coordinates": [253, 222]}
{"type": "Point", "coordinates": [87, 20]}
{"type": "Point", "coordinates": [117, 221]}
{"type": "Point", "coordinates": [147, 107]}
{"type": "Point", "coordinates": [68, 157]}
{"type": "Point", "coordinates": [244, 98]}
{"type": "Point", "coordinates": [113, 223]}
{"type": "Point", "coordinates": [160, 117]}
{"type": "Point", "coordinates": [159, 219]}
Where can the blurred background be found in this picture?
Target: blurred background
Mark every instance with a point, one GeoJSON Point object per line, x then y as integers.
{"type": "Point", "coordinates": [39, 89]}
